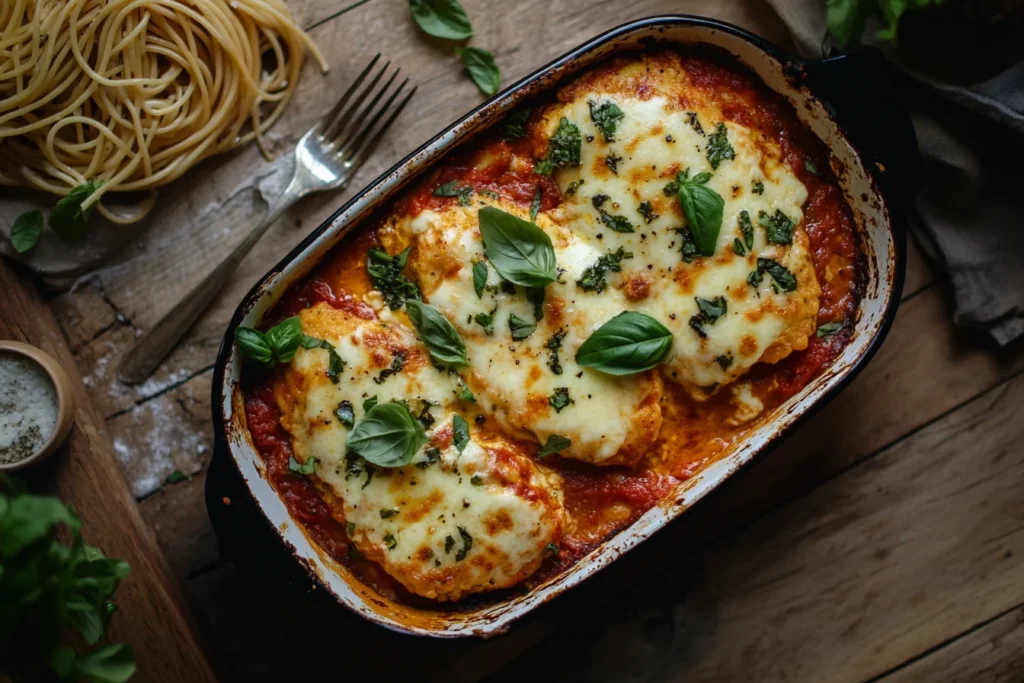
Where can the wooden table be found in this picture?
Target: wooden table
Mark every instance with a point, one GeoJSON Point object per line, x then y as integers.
{"type": "Point", "coordinates": [882, 541]}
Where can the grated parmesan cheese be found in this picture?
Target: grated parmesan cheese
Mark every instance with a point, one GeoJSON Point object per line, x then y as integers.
{"type": "Point", "coordinates": [28, 407]}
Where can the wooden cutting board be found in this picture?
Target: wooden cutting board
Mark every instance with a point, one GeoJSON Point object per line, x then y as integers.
{"type": "Point", "coordinates": [84, 472]}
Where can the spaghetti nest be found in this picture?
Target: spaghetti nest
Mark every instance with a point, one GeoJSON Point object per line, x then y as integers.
{"type": "Point", "coordinates": [133, 93]}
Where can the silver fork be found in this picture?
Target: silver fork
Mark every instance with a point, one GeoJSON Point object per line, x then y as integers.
{"type": "Point", "coordinates": [327, 156]}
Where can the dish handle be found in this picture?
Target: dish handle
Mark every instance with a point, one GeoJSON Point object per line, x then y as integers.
{"type": "Point", "coordinates": [861, 93]}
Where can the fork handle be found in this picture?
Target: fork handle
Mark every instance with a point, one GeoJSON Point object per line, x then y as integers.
{"type": "Point", "coordinates": [153, 347]}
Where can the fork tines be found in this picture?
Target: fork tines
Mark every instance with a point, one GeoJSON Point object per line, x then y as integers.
{"type": "Point", "coordinates": [351, 127]}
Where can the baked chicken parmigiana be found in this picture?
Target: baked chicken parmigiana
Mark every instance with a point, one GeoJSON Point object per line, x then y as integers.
{"type": "Point", "coordinates": [564, 319]}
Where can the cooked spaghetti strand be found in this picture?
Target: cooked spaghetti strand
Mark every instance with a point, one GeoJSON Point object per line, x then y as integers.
{"type": "Point", "coordinates": [133, 93]}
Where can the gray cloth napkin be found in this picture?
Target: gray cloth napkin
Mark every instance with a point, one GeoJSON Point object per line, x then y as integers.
{"type": "Point", "coordinates": [965, 90]}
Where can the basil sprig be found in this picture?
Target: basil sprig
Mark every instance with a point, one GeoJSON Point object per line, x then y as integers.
{"type": "Point", "coordinates": [630, 342]}
{"type": "Point", "coordinates": [387, 436]}
{"type": "Point", "coordinates": [443, 342]}
{"type": "Point", "coordinates": [482, 68]}
{"type": "Point", "coordinates": [703, 208]}
{"type": "Point", "coordinates": [520, 251]}
{"type": "Point", "coordinates": [67, 218]}
{"type": "Point", "coordinates": [276, 345]}
{"type": "Point", "coordinates": [460, 433]}
{"type": "Point", "coordinates": [443, 19]}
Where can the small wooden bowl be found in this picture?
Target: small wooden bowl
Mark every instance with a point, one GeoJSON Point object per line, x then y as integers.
{"type": "Point", "coordinates": [65, 401]}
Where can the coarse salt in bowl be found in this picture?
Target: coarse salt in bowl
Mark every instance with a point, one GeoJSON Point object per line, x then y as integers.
{"type": "Point", "coordinates": [36, 404]}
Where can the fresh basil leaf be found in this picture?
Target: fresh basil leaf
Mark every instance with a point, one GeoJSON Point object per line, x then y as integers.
{"type": "Point", "coordinates": [301, 468]}
{"type": "Point", "coordinates": [593, 277]}
{"type": "Point", "coordinates": [27, 229]}
{"type": "Point", "coordinates": [783, 278]}
{"type": "Point", "coordinates": [538, 197]}
{"type": "Point", "coordinates": [691, 118]}
{"type": "Point", "coordinates": [554, 345]}
{"type": "Point", "coordinates": [521, 252]}
{"type": "Point", "coordinates": [560, 400]}
{"type": "Point", "coordinates": [845, 20]}
{"type": "Point", "coordinates": [564, 148]}
{"type": "Point", "coordinates": [515, 124]}
{"type": "Point", "coordinates": [811, 167]}
{"type": "Point", "coordinates": [460, 433]}
{"type": "Point", "coordinates": [616, 223]}
{"type": "Point", "coordinates": [712, 309]}
{"type": "Point", "coordinates": [467, 543]}
{"type": "Point", "coordinates": [630, 342]}
{"type": "Point", "coordinates": [482, 68]}
{"type": "Point", "coordinates": [829, 329]}
{"type": "Point", "coordinates": [778, 227]}
{"type": "Point", "coordinates": [738, 248]}
{"type": "Point", "coordinates": [387, 278]}
{"type": "Point", "coordinates": [175, 477]}
{"type": "Point", "coordinates": [388, 435]}
{"type": "Point", "coordinates": [688, 247]}
{"type": "Point", "coordinates": [606, 117]}
{"type": "Point", "coordinates": [253, 345]}
{"type": "Point", "coordinates": [703, 208]}
{"type": "Point", "coordinates": [452, 189]}
{"type": "Point", "coordinates": [556, 443]}
{"type": "Point", "coordinates": [335, 365]}
{"type": "Point", "coordinates": [67, 218]}
{"type": "Point", "coordinates": [109, 664]}
{"type": "Point", "coordinates": [442, 340]}
{"type": "Point", "coordinates": [479, 278]}
{"type": "Point", "coordinates": [719, 148]}
{"type": "Point", "coordinates": [520, 328]}
{"type": "Point", "coordinates": [701, 178]}
{"type": "Point", "coordinates": [466, 394]}
{"type": "Point", "coordinates": [535, 295]}
{"type": "Point", "coordinates": [346, 414]}
{"type": "Point", "coordinates": [747, 228]}
{"type": "Point", "coordinates": [709, 310]}
{"type": "Point", "coordinates": [284, 338]}
{"type": "Point", "coordinates": [369, 403]}
{"type": "Point", "coordinates": [486, 321]}
{"type": "Point", "coordinates": [312, 342]}
{"type": "Point", "coordinates": [443, 19]}
{"type": "Point", "coordinates": [646, 209]}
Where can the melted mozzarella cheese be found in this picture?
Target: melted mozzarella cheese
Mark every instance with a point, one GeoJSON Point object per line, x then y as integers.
{"type": "Point", "coordinates": [499, 508]}
{"type": "Point", "coordinates": [656, 138]}
{"type": "Point", "coordinates": [609, 420]}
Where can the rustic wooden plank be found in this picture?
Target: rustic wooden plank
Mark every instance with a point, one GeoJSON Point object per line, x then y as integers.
{"type": "Point", "coordinates": [990, 653]}
{"type": "Point", "coordinates": [85, 474]}
{"type": "Point", "coordinates": [897, 554]}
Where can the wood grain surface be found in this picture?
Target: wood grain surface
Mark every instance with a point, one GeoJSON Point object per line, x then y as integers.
{"type": "Point", "coordinates": [880, 541]}
{"type": "Point", "coordinates": [85, 473]}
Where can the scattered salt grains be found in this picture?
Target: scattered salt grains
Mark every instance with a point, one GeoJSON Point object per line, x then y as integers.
{"type": "Point", "coordinates": [28, 407]}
